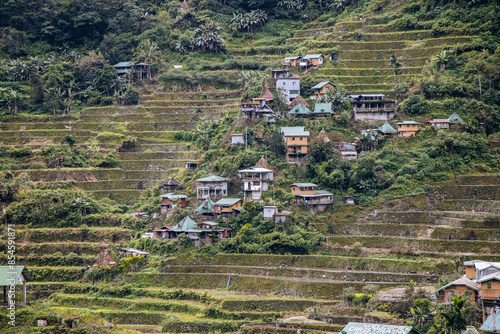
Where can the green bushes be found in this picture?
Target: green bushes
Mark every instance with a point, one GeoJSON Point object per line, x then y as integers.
{"type": "Point", "coordinates": [21, 152]}
{"type": "Point", "coordinates": [201, 326]}
{"type": "Point", "coordinates": [156, 246]}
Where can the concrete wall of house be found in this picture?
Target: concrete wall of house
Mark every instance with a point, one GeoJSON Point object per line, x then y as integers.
{"type": "Point", "coordinates": [493, 292]}
{"type": "Point", "coordinates": [237, 139]}
{"type": "Point", "coordinates": [407, 130]}
{"type": "Point", "coordinates": [458, 291]}
{"type": "Point", "coordinates": [373, 117]}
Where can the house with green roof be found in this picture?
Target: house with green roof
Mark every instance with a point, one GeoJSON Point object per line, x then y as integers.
{"type": "Point", "coordinates": [310, 194]}
{"type": "Point", "coordinates": [387, 130]}
{"type": "Point", "coordinates": [211, 186]}
{"type": "Point", "coordinates": [455, 119]}
{"type": "Point", "coordinates": [322, 88]}
{"type": "Point", "coordinates": [299, 111]}
{"type": "Point", "coordinates": [171, 201]}
{"type": "Point", "coordinates": [11, 276]}
{"type": "Point", "coordinates": [323, 110]}
{"type": "Point", "coordinates": [296, 142]}
{"type": "Point", "coordinates": [364, 328]}
{"type": "Point", "coordinates": [228, 206]}
{"type": "Point", "coordinates": [408, 128]}
{"type": "Point", "coordinates": [207, 207]}
{"type": "Point", "coordinates": [312, 60]}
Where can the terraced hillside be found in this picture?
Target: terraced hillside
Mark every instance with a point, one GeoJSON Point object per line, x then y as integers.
{"type": "Point", "coordinates": [153, 122]}
{"type": "Point", "coordinates": [364, 47]}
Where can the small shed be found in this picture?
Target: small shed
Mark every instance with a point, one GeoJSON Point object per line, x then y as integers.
{"type": "Point", "coordinates": [10, 276]}
{"type": "Point", "coordinates": [312, 60]}
{"type": "Point", "coordinates": [192, 165]}
{"type": "Point", "coordinates": [269, 211]}
{"type": "Point", "coordinates": [237, 138]}
{"type": "Point", "coordinates": [170, 185]}
{"type": "Point", "coordinates": [350, 200]}
{"type": "Point", "coordinates": [277, 74]}
{"type": "Point", "coordinates": [291, 61]}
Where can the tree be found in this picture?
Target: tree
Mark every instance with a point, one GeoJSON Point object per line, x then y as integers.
{"type": "Point", "coordinates": [149, 53]}
{"type": "Point", "coordinates": [274, 139]}
{"type": "Point", "coordinates": [13, 100]}
{"type": "Point", "coordinates": [441, 59]}
{"type": "Point", "coordinates": [106, 80]}
{"type": "Point", "coordinates": [476, 63]}
{"type": "Point", "coordinates": [250, 79]}
{"type": "Point", "coordinates": [455, 319]}
{"type": "Point", "coordinates": [207, 38]}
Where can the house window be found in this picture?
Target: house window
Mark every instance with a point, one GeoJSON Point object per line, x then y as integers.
{"type": "Point", "coordinates": [293, 83]}
{"type": "Point", "coordinates": [283, 83]}
{"type": "Point", "coordinates": [300, 138]}
{"type": "Point", "coordinates": [293, 138]}
{"type": "Point", "coordinates": [452, 293]}
{"type": "Point", "coordinates": [488, 286]}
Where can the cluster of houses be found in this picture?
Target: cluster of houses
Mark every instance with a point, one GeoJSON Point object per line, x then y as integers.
{"type": "Point", "coordinates": [481, 283]}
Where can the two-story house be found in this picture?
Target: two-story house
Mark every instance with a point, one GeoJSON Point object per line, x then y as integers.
{"type": "Point", "coordinates": [255, 181]}
{"type": "Point", "coordinates": [408, 128]}
{"type": "Point", "coordinates": [322, 88]}
{"type": "Point", "coordinates": [228, 206]}
{"type": "Point", "coordinates": [211, 186]}
{"type": "Point", "coordinates": [309, 193]}
{"type": "Point", "coordinates": [372, 108]}
{"type": "Point", "coordinates": [290, 87]}
{"type": "Point", "coordinates": [296, 142]}
{"type": "Point", "coordinates": [172, 200]}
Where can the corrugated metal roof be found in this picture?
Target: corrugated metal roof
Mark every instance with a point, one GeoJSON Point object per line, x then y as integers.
{"type": "Point", "coordinates": [292, 58]}
{"type": "Point", "coordinates": [123, 64]}
{"type": "Point", "coordinates": [211, 179]}
{"type": "Point", "coordinates": [255, 170]}
{"type": "Point", "coordinates": [323, 192]}
{"type": "Point", "coordinates": [363, 328]}
{"type": "Point", "coordinates": [488, 324]}
{"type": "Point", "coordinates": [323, 108]}
{"type": "Point", "coordinates": [387, 128]}
{"type": "Point", "coordinates": [494, 276]}
{"type": "Point", "coordinates": [207, 206]}
{"type": "Point", "coordinates": [462, 281]}
{"type": "Point", "coordinates": [455, 118]}
{"type": "Point", "coordinates": [312, 56]}
{"type": "Point", "coordinates": [228, 201]}
{"type": "Point", "coordinates": [305, 184]}
{"type": "Point", "coordinates": [407, 122]}
{"type": "Point", "coordinates": [173, 196]}
{"type": "Point", "coordinates": [7, 272]}
{"type": "Point", "coordinates": [186, 224]}
{"type": "Point", "coordinates": [322, 84]}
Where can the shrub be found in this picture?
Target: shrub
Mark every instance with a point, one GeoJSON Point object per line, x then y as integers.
{"type": "Point", "coordinates": [22, 152]}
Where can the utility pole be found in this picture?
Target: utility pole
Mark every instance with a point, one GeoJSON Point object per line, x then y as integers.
{"type": "Point", "coordinates": [246, 138]}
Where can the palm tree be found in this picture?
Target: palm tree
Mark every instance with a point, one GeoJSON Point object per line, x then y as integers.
{"type": "Point", "coordinates": [441, 58]}
{"type": "Point", "coordinates": [13, 100]}
{"type": "Point", "coordinates": [455, 320]}
{"type": "Point", "coordinates": [148, 52]}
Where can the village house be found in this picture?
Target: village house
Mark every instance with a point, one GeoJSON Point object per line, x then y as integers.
{"type": "Point", "coordinates": [349, 200]}
{"type": "Point", "coordinates": [348, 151]}
{"type": "Point", "coordinates": [201, 233]}
{"type": "Point", "coordinates": [211, 186]}
{"type": "Point", "coordinates": [170, 185]}
{"type": "Point", "coordinates": [268, 96]}
{"type": "Point", "coordinates": [299, 111]}
{"type": "Point", "coordinates": [470, 268]}
{"type": "Point", "coordinates": [237, 138]}
{"type": "Point", "coordinates": [181, 228]}
{"type": "Point", "coordinates": [160, 233]}
{"type": "Point", "coordinates": [483, 269]}
{"type": "Point", "coordinates": [371, 108]}
{"type": "Point", "coordinates": [291, 61]}
{"type": "Point", "coordinates": [257, 108]}
{"type": "Point", "coordinates": [364, 328]}
{"type": "Point", "coordinates": [322, 88]}
{"type": "Point", "coordinates": [296, 142]}
{"type": "Point", "coordinates": [408, 128]}
{"type": "Point", "coordinates": [172, 200]}
{"type": "Point", "coordinates": [297, 100]}
{"type": "Point", "coordinates": [315, 198]}
{"type": "Point", "coordinates": [138, 70]}
{"type": "Point", "coordinates": [387, 130]}
{"type": "Point", "coordinates": [455, 119]}
{"type": "Point", "coordinates": [311, 60]}
{"type": "Point", "coordinates": [255, 181]}
{"type": "Point", "coordinates": [13, 275]}
{"type": "Point", "coordinates": [279, 74]}
{"type": "Point", "coordinates": [322, 110]}
{"type": "Point", "coordinates": [271, 213]}
{"type": "Point", "coordinates": [490, 293]}
{"type": "Point", "coordinates": [459, 288]}
{"type": "Point", "coordinates": [290, 86]}
{"type": "Point", "coordinates": [439, 123]}
{"type": "Point", "coordinates": [206, 208]}
{"type": "Point", "coordinates": [228, 206]}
